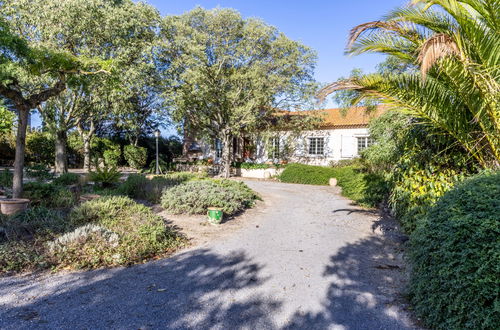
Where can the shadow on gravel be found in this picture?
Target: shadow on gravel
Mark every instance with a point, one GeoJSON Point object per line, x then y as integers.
{"type": "Point", "coordinates": [357, 210]}
{"type": "Point", "coordinates": [362, 293]}
{"type": "Point", "coordinates": [181, 292]}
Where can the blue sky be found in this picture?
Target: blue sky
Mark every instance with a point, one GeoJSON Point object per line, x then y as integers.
{"type": "Point", "coordinates": [320, 24]}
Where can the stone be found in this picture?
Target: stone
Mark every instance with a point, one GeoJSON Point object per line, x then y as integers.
{"type": "Point", "coordinates": [333, 182]}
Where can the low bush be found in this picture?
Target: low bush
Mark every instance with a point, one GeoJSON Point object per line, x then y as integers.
{"type": "Point", "coordinates": [139, 187]}
{"type": "Point", "coordinates": [195, 197]}
{"type": "Point", "coordinates": [22, 238]}
{"type": "Point", "coordinates": [136, 157]}
{"type": "Point", "coordinates": [39, 172]}
{"type": "Point", "coordinates": [163, 166]}
{"type": "Point", "coordinates": [48, 195]}
{"type": "Point", "coordinates": [307, 174]}
{"type": "Point", "coordinates": [36, 221]}
{"type": "Point", "coordinates": [6, 177]}
{"type": "Point", "coordinates": [456, 258]}
{"type": "Point", "coordinates": [112, 231]}
{"type": "Point", "coordinates": [364, 188]}
{"type": "Point", "coordinates": [416, 190]}
{"type": "Point", "coordinates": [67, 179]}
{"type": "Point", "coordinates": [18, 256]}
{"type": "Point", "coordinates": [105, 176]}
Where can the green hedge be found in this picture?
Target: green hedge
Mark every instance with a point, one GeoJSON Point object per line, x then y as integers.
{"type": "Point", "coordinates": [455, 253]}
{"type": "Point", "coordinates": [364, 188]}
{"type": "Point", "coordinates": [307, 174]}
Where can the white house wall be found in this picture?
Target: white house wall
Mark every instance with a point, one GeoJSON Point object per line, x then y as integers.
{"type": "Point", "coordinates": [339, 144]}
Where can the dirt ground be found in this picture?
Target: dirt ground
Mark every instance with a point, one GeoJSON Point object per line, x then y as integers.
{"type": "Point", "coordinates": [200, 232]}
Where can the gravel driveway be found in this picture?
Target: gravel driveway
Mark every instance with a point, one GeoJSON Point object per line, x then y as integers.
{"type": "Point", "coordinates": [308, 259]}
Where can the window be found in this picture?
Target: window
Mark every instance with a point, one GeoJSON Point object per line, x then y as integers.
{"type": "Point", "coordinates": [364, 142]}
{"type": "Point", "coordinates": [218, 148]}
{"type": "Point", "coordinates": [275, 148]}
{"type": "Point", "coordinates": [316, 146]}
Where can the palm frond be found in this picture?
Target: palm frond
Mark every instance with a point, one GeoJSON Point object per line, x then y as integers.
{"type": "Point", "coordinates": [435, 48]}
{"type": "Point", "coordinates": [369, 26]}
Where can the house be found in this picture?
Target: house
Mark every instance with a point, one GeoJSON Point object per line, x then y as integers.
{"type": "Point", "coordinates": [338, 135]}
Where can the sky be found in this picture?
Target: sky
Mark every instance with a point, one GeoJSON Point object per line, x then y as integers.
{"type": "Point", "coordinates": [322, 25]}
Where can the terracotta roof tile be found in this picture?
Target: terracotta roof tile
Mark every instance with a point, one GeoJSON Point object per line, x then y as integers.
{"type": "Point", "coordinates": [337, 118]}
{"type": "Point", "coordinates": [356, 116]}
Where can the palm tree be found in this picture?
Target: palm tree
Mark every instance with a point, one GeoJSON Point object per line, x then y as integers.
{"type": "Point", "coordinates": [456, 45]}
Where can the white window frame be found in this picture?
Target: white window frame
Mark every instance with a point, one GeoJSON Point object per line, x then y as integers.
{"type": "Point", "coordinates": [317, 150]}
{"type": "Point", "coordinates": [367, 142]}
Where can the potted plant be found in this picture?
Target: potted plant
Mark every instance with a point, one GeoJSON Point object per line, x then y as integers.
{"type": "Point", "coordinates": [215, 215]}
{"type": "Point", "coordinates": [9, 206]}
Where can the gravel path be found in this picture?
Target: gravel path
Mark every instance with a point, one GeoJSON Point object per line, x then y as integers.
{"type": "Point", "coordinates": [308, 259]}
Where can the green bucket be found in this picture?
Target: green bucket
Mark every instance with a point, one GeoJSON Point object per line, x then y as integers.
{"type": "Point", "coordinates": [214, 215]}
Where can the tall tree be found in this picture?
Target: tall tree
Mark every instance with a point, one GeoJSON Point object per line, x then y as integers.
{"type": "Point", "coordinates": [30, 74]}
{"type": "Point", "coordinates": [119, 31]}
{"type": "Point", "coordinates": [456, 46]}
{"type": "Point", "coordinates": [224, 74]}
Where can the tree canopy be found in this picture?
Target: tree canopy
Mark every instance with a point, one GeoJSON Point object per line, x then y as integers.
{"type": "Point", "coordinates": [224, 73]}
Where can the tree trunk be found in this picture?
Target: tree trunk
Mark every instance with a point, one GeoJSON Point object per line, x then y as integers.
{"type": "Point", "coordinates": [226, 156]}
{"type": "Point", "coordinates": [86, 154]}
{"type": "Point", "coordinates": [17, 187]}
{"type": "Point", "coordinates": [61, 161]}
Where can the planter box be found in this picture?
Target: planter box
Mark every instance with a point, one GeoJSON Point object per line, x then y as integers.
{"type": "Point", "coordinates": [261, 173]}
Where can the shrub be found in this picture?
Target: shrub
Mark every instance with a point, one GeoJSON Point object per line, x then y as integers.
{"type": "Point", "coordinates": [365, 188]}
{"type": "Point", "coordinates": [40, 147]}
{"type": "Point", "coordinates": [39, 172]}
{"type": "Point", "coordinates": [307, 174]}
{"type": "Point", "coordinates": [136, 157]}
{"type": "Point", "coordinates": [105, 176]}
{"type": "Point", "coordinates": [252, 166]}
{"type": "Point", "coordinates": [416, 190]}
{"type": "Point", "coordinates": [139, 187]}
{"type": "Point", "coordinates": [6, 178]}
{"type": "Point", "coordinates": [141, 235]}
{"type": "Point", "coordinates": [17, 256]}
{"type": "Point", "coordinates": [38, 221]}
{"type": "Point", "coordinates": [82, 235]}
{"type": "Point", "coordinates": [163, 165]}
{"type": "Point", "coordinates": [456, 258]}
{"type": "Point", "coordinates": [195, 197]}
{"type": "Point", "coordinates": [112, 156]}
{"type": "Point", "coordinates": [48, 195]}
{"type": "Point", "coordinates": [67, 179]}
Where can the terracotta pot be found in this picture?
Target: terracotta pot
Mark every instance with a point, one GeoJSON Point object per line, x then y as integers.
{"type": "Point", "coordinates": [11, 206]}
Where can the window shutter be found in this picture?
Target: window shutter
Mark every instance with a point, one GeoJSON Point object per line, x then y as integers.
{"type": "Point", "coordinates": [348, 146]}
